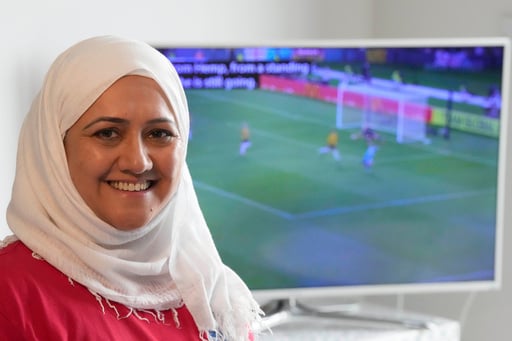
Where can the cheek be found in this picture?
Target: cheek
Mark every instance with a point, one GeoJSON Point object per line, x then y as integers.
{"type": "Point", "coordinates": [171, 165]}
{"type": "Point", "coordinates": [85, 164]}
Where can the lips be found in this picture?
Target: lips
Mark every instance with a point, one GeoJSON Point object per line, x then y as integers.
{"type": "Point", "coordinates": [130, 186]}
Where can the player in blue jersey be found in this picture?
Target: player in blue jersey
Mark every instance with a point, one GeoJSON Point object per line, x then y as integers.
{"type": "Point", "coordinates": [373, 139]}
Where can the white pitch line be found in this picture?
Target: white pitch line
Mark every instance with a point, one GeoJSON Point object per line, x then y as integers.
{"type": "Point", "coordinates": [338, 210]}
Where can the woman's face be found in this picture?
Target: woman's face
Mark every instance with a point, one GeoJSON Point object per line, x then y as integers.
{"type": "Point", "coordinates": [124, 153]}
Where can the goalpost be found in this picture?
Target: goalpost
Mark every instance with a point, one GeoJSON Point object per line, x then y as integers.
{"type": "Point", "coordinates": [400, 113]}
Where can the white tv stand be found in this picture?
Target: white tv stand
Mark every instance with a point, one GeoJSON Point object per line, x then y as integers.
{"type": "Point", "coordinates": [290, 320]}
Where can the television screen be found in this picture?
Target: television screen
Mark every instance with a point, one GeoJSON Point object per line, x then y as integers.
{"type": "Point", "coordinates": [351, 167]}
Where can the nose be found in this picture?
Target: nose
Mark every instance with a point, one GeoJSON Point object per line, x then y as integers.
{"type": "Point", "coordinates": [134, 156]}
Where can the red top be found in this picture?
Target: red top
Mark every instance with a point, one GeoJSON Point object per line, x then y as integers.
{"type": "Point", "coordinates": [38, 302]}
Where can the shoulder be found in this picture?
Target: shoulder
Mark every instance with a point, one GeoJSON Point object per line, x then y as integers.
{"type": "Point", "coordinates": [23, 271]}
{"type": "Point", "coordinates": [16, 259]}
{"type": "Point", "coordinates": [21, 268]}
{"type": "Point", "coordinates": [11, 247]}
{"type": "Point", "coordinates": [13, 254]}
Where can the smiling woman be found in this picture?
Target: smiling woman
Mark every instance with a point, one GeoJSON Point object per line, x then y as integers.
{"type": "Point", "coordinates": [126, 166]}
{"type": "Point", "coordinates": [109, 241]}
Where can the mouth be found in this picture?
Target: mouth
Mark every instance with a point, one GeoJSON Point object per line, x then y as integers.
{"type": "Point", "coordinates": [130, 186]}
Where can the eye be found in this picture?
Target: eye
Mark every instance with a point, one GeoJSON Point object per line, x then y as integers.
{"type": "Point", "coordinates": [161, 135]}
{"type": "Point", "coordinates": [107, 134]}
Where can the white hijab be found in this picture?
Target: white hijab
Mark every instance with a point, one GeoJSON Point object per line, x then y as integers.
{"type": "Point", "coordinates": [171, 260]}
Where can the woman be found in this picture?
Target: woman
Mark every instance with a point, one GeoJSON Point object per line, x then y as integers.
{"type": "Point", "coordinates": [109, 240]}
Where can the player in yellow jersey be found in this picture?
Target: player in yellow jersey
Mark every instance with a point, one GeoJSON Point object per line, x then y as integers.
{"type": "Point", "coordinates": [245, 138]}
{"type": "Point", "coordinates": [331, 145]}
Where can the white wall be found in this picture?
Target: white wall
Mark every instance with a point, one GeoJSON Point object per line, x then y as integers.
{"type": "Point", "coordinates": [438, 18]}
{"type": "Point", "coordinates": [33, 32]}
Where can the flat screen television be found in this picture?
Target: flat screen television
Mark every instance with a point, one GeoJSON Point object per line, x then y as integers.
{"type": "Point", "coordinates": [412, 201]}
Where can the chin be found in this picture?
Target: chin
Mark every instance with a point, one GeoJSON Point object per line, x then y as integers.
{"type": "Point", "coordinates": [128, 225]}
{"type": "Point", "coordinates": [130, 217]}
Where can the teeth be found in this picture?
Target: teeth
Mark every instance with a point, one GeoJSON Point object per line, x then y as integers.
{"type": "Point", "coordinates": [130, 186]}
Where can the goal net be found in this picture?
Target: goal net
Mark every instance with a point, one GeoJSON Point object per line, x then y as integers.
{"type": "Point", "coordinates": [403, 114]}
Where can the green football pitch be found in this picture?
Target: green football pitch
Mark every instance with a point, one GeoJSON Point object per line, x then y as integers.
{"type": "Point", "coordinates": [285, 216]}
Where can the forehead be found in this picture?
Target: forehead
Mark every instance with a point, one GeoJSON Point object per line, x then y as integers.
{"type": "Point", "coordinates": [130, 85]}
{"type": "Point", "coordinates": [133, 92]}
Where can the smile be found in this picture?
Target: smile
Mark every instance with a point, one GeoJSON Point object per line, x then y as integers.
{"type": "Point", "coordinates": [130, 186]}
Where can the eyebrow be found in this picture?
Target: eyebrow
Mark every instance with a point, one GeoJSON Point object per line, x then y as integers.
{"type": "Point", "coordinates": [123, 121]}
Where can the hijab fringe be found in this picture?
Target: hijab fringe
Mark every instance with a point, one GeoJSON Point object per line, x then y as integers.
{"type": "Point", "coordinates": [158, 315]}
{"type": "Point", "coordinates": [231, 328]}
{"type": "Point", "coordinates": [8, 240]}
